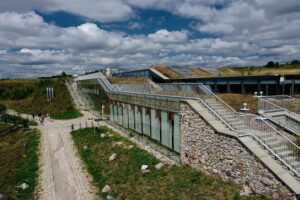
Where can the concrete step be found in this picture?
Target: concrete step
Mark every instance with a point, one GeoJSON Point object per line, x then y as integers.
{"type": "Point", "coordinates": [269, 139]}
{"type": "Point", "coordinates": [280, 149]}
{"type": "Point", "coordinates": [264, 135]}
{"type": "Point", "coordinates": [285, 154]}
{"type": "Point", "coordinates": [295, 164]}
{"type": "Point", "coordinates": [290, 159]}
{"type": "Point", "coordinates": [274, 144]}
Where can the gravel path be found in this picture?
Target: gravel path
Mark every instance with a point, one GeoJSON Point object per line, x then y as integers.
{"type": "Point", "coordinates": [62, 175]}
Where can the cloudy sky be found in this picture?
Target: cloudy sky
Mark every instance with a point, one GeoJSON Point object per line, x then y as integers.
{"type": "Point", "coordinates": [45, 37]}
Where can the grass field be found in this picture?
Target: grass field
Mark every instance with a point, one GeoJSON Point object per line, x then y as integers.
{"type": "Point", "coordinates": [124, 175]}
{"type": "Point", "coordinates": [15, 168]}
{"type": "Point", "coordinates": [61, 107]}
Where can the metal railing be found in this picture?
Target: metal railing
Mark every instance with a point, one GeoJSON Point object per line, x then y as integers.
{"type": "Point", "coordinates": [285, 102]}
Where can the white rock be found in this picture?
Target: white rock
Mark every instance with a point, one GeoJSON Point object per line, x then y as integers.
{"type": "Point", "coordinates": [159, 165]}
{"type": "Point", "coordinates": [145, 171]}
{"type": "Point", "coordinates": [130, 146]}
{"type": "Point", "coordinates": [215, 171]}
{"type": "Point", "coordinates": [85, 147]}
{"type": "Point", "coordinates": [109, 197]}
{"type": "Point", "coordinates": [112, 157]}
{"type": "Point", "coordinates": [144, 167]}
{"type": "Point", "coordinates": [106, 189]}
{"type": "Point", "coordinates": [102, 135]}
{"type": "Point", "coordinates": [24, 186]}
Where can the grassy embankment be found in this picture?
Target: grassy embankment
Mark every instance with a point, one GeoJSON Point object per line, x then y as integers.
{"type": "Point", "coordinates": [124, 175]}
{"type": "Point", "coordinates": [168, 72]}
{"type": "Point", "coordinates": [259, 71]}
{"type": "Point", "coordinates": [30, 97]}
{"type": "Point", "coordinates": [15, 167]}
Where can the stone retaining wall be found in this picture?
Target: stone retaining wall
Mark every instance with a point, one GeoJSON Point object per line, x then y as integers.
{"type": "Point", "coordinates": [225, 157]}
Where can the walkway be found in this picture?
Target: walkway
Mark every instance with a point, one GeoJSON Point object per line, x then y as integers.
{"type": "Point", "coordinates": [62, 175]}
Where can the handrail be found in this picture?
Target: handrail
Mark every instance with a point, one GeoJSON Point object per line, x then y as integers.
{"type": "Point", "coordinates": [274, 154]}
{"type": "Point", "coordinates": [273, 104]}
{"type": "Point", "coordinates": [219, 98]}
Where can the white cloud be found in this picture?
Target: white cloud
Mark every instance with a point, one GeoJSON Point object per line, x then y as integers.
{"type": "Point", "coordinates": [232, 32]}
{"type": "Point", "coordinates": [166, 36]}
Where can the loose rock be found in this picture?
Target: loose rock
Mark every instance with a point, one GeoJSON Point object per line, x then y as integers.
{"type": "Point", "coordinates": [112, 157]}
{"type": "Point", "coordinates": [109, 197]}
{"type": "Point", "coordinates": [85, 147]}
{"type": "Point", "coordinates": [144, 167]}
{"type": "Point", "coordinates": [24, 186]}
{"type": "Point", "coordinates": [106, 189]}
{"type": "Point", "coordinates": [103, 135]}
{"type": "Point", "coordinates": [159, 165]}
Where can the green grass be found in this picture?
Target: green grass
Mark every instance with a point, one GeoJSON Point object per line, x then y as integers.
{"type": "Point", "coordinates": [124, 176]}
{"type": "Point", "coordinates": [15, 168]}
{"type": "Point", "coordinates": [61, 107]}
{"type": "Point", "coordinates": [69, 114]}
{"type": "Point", "coordinates": [15, 119]}
{"type": "Point", "coordinates": [3, 126]}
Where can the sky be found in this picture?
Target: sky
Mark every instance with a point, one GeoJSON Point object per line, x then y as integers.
{"type": "Point", "coordinates": [39, 38]}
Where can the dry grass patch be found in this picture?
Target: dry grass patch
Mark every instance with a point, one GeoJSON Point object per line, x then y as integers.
{"type": "Point", "coordinates": [201, 73]}
{"type": "Point", "coordinates": [119, 80]}
{"type": "Point", "coordinates": [236, 101]}
{"type": "Point", "coordinates": [168, 72]}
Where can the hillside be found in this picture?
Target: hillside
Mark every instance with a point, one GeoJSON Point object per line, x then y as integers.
{"type": "Point", "coordinates": [30, 97]}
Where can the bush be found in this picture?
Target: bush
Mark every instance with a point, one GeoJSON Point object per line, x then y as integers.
{"type": "Point", "coordinates": [2, 108]}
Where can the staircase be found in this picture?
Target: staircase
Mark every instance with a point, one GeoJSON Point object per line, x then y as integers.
{"type": "Point", "coordinates": [272, 140]}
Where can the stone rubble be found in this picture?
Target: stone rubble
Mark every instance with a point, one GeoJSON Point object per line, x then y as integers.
{"type": "Point", "coordinates": [106, 189]}
{"type": "Point", "coordinates": [224, 157]}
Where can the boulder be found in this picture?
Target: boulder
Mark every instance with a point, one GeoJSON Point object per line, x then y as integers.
{"type": "Point", "coordinates": [85, 147]}
{"type": "Point", "coordinates": [112, 157]}
{"type": "Point", "coordinates": [103, 135]}
{"type": "Point", "coordinates": [144, 167]}
{"type": "Point", "coordinates": [106, 189]}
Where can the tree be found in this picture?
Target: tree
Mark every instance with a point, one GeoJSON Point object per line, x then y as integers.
{"type": "Point", "coordinates": [271, 64]}
{"type": "Point", "coordinates": [63, 74]}
{"type": "Point", "coordinates": [295, 62]}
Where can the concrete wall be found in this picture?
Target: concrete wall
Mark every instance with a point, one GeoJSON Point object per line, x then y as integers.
{"type": "Point", "coordinates": [223, 156]}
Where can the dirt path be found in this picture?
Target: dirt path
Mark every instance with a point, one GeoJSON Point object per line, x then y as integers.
{"type": "Point", "coordinates": [62, 176]}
